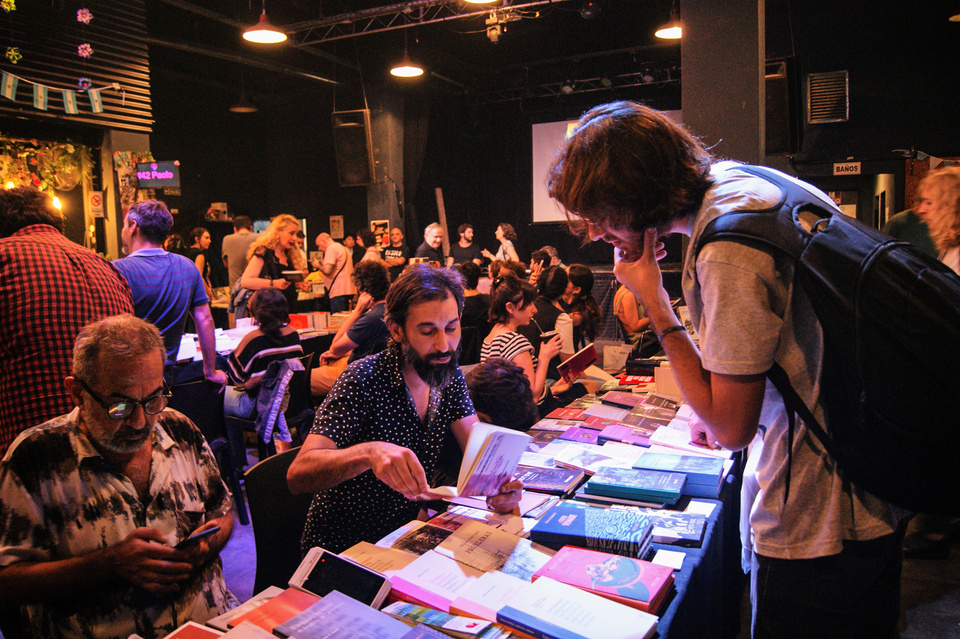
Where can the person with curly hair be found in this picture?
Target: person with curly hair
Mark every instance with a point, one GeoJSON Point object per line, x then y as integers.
{"type": "Point", "coordinates": [362, 333]}
{"type": "Point", "coordinates": [273, 252]}
{"type": "Point", "coordinates": [501, 394]}
{"type": "Point", "coordinates": [199, 243]}
{"type": "Point", "coordinates": [506, 236]}
{"type": "Point", "coordinates": [939, 208]}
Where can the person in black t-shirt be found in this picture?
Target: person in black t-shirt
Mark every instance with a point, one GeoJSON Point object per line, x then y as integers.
{"type": "Point", "coordinates": [465, 250]}
{"type": "Point", "coordinates": [430, 249]}
{"type": "Point", "coordinates": [396, 254]}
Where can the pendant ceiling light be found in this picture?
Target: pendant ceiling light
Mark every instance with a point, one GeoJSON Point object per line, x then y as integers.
{"type": "Point", "coordinates": [263, 32]}
{"type": "Point", "coordinates": [406, 68]}
{"type": "Point", "coordinates": [672, 29]}
{"type": "Point", "coordinates": [244, 105]}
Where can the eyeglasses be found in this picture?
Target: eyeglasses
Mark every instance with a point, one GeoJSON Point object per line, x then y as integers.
{"type": "Point", "coordinates": [125, 407]}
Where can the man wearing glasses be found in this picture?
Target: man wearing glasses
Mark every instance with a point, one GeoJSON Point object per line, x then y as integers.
{"type": "Point", "coordinates": [95, 501]}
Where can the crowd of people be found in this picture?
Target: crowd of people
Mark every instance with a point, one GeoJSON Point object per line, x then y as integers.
{"type": "Point", "coordinates": [100, 480]}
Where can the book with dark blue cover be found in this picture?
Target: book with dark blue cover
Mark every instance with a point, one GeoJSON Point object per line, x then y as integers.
{"type": "Point", "coordinates": [619, 532]}
{"type": "Point", "coordinates": [635, 483]}
{"type": "Point", "coordinates": [699, 470]}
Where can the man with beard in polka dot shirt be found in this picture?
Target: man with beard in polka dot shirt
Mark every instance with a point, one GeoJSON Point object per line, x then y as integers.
{"type": "Point", "coordinates": [382, 429]}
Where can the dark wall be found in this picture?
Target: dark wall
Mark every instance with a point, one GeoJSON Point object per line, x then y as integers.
{"type": "Point", "coordinates": [903, 69]}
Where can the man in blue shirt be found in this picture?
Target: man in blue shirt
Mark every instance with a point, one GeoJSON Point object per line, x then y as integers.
{"type": "Point", "coordinates": [166, 286]}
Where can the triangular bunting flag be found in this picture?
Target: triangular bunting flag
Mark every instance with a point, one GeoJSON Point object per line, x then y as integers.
{"type": "Point", "coordinates": [96, 102]}
{"type": "Point", "coordinates": [70, 101]}
{"type": "Point", "coordinates": [8, 86]}
{"type": "Point", "coordinates": [40, 93]}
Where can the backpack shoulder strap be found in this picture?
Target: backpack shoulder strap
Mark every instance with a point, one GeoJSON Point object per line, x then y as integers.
{"type": "Point", "coordinates": [777, 226]}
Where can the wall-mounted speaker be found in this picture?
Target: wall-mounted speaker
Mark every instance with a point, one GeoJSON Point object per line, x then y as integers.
{"type": "Point", "coordinates": [782, 107]}
{"type": "Point", "coordinates": [354, 147]}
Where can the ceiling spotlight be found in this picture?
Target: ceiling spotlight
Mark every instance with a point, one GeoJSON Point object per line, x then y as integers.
{"type": "Point", "coordinates": [589, 10]}
{"type": "Point", "coordinates": [567, 88]}
{"type": "Point", "coordinates": [646, 77]}
{"type": "Point", "coordinates": [606, 82]}
{"type": "Point", "coordinates": [672, 29]}
{"type": "Point", "coordinates": [479, 1]}
{"type": "Point", "coordinates": [263, 32]}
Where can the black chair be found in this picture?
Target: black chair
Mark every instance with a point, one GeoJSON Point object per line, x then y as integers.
{"type": "Point", "coordinates": [298, 414]}
{"type": "Point", "coordinates": [202, 402]}
{"type": "Point", "coordinates": [278, 519]}
{"type": "Point", "coordinates": [470, 342]}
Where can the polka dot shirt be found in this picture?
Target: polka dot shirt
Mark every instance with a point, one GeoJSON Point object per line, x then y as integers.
{"type": "Point", "coordinates": [370, 402]}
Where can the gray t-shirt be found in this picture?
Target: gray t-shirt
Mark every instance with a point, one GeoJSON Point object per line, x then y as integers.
{"type": "Point", "coordinates": [234, 247]}
{"type": "Point", "coordinates": [748, 315]}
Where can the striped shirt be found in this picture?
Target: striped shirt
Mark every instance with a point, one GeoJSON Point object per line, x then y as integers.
{"type": "Point", "coordinates": [249, 361]}
{"type": "Point", "coordinates": [507, 345]}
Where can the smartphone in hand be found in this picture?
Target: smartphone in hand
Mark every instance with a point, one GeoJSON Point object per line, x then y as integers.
{"type": "Point", "coordinates": [195, 538]}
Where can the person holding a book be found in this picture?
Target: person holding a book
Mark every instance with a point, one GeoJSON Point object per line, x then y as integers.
{"type": "Point", "coordinates": [380, 432]}
{"type": "Point", "coordinates": [512, 307]}
{"type": "Point", "coordinates": [98, 503]}
{"type": "Point", "coordinates": [273, 252]}
{"type": "Point", "coordinates": [826, 553]}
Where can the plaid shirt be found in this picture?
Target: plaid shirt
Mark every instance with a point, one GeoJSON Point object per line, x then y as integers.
{"type": "Point", "coordinates": [50, 288]}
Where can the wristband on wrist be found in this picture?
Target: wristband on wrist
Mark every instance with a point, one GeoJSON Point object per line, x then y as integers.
{"type": "Point", "coordinates": [668, 330]}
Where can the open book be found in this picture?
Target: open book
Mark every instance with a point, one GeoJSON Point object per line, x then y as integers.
{"type": "Point", "coordinates": [489, 460]}
{"type": "Point", "coordinates": [572, 368]}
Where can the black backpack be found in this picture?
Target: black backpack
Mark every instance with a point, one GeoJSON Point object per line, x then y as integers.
{"type": "Point", "coordinates": [891, 328]}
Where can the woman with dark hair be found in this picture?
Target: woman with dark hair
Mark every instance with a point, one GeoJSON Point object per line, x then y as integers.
{"type": "Point", "coordinates": [197, 253]}
{"type": "Point", "coordinates": [362, 333]}
{"type": "Point", "coordinates": [578, 302]}
{"type": "Point", "coordinates": [273, 340]}
{"type": "Point", "coordinates": [506, 236]}
{"type": "Point", "coordinates": [368, 241]}
{"type": "Point", "coordinates": [476, 310]}
{"type": "Point", "coordinates": [511, 306]}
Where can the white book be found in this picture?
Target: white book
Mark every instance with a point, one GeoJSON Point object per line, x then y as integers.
{"type": "Point", "coordinates": [220, 622]}
{"type": "Point", "coordinates": [490, 459]}
{"type": "Point", "coordinates": [676, 435]}
{"type": "Point", "coordinates": [485, 596]}
{"type": "Point", "coordinates": [387, 561]}
{"type": "Point", "coordinates": [433, 580]}
{"type": "Point", "coordinates": [548, 608]}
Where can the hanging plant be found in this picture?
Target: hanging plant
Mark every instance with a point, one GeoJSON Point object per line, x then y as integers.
{"type": "Point", "coordinates": [45, 165]}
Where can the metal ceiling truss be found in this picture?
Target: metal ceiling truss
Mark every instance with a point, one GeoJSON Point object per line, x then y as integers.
{"type": "Point", "coordinates": [402, 16]}
{"type": "Point", "coordinates": [656, 78]}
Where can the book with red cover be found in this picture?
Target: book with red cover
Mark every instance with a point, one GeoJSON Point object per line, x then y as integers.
{"type": "Point", "coordinates": [622, 399]}
{"type": "Point", "coordinates": [281, 608]}
{"type": "Point", "coordinates": [636, 379]}
{"type": "Point", "coordinates": [566, 412]}
{"type": "Point", "coordinates": [632, 582]}
{"type": "Point", "coordinates": [580, 361]}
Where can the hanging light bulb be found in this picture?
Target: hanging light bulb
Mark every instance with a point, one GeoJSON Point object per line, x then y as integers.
{"type": "Point", "coordinates": [406, 68]}
{"type": "Point", "coordinates": [263, 32]}
{"type": "Point", "coordinates": [672, 30]}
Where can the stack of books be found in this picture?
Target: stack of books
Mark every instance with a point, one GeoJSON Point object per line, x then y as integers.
{"type": "Point", "coordinates": [571, 523]}
{"type": "Point", "coordinates": [704, 474]}
{"type": "Point", "coordinates": [636, 483]}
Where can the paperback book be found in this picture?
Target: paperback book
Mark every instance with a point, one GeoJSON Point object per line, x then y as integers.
{"type": "Point", "coordinates": [605, 500]}
{"type": "Point", "coordinates": [338, 616]}
{"type": "Point", "coordinates": [623, 400]}
{"type": "Point", "coordinates": [571, 368]}
{"type": "Point", "coordinates": [632, 582]}
{"type": "Point", "coordinates": [554, 481]}
{"type": "Point", "coordinates": [488, 594]}
{"type": "Point", "coordinates": [489, 460]}
{"type": "Point", "coordinates": [581, 435]}
{"type": "Point", "coordinates": [634, 483]}
{"type": "Point", "coordinates": [548, 609]}
{"type": "Point", "coordinates": [570, 523]}
{"type": "Point", "coordinates": [634, 435]}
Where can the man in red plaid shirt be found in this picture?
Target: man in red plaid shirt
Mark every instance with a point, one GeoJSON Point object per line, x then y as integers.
{"type": "Point", "coordinates": [50, 288]}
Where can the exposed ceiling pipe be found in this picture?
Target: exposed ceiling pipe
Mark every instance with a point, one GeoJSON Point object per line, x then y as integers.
{"type": "Point", "coordinates": [241, 59]}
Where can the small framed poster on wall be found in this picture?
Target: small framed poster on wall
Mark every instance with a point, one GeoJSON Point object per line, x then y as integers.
{"type": "Point", "coordinates": [336, 227]}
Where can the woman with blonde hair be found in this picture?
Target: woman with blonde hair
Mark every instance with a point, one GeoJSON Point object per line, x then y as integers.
{"type": "Point", "coordinates": [273, 252]}
{"type": "Point", "coordinates": [939, 208]}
